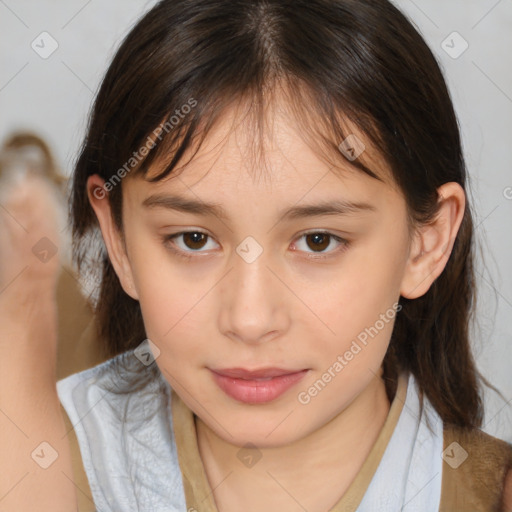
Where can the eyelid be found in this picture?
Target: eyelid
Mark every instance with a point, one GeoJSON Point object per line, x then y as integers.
{"type": "Point", "coordinates": [344, 243]}
{"type": "Point", "coordinates": [186, 254]}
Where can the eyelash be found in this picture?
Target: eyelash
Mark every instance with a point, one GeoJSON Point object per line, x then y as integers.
{"type": "Point", "coordinates": [188, 255]}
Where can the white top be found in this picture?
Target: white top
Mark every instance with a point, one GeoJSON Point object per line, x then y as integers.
{"type": "Point", "coordinates": [130, 456]}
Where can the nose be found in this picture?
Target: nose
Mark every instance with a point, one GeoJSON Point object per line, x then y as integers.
{"type": "Point", "coordinates": [253, 302]}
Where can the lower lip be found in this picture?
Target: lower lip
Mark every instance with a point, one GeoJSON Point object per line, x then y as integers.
{"type": "Point", "coordinates": [257, 391]}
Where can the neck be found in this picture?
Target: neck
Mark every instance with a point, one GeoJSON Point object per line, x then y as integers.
{"type": "Point", "coordinates": [315, 471]}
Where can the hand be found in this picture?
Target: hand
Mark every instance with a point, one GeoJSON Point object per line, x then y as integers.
{"type": "Point", "coordinates": [29, 238]}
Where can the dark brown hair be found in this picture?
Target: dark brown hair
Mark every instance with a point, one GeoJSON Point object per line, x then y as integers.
{"type": "Point", "coordinates": [361, 59]}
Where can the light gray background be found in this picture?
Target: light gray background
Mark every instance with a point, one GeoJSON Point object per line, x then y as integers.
{"type": "Point", "coordinates": [52, 96]}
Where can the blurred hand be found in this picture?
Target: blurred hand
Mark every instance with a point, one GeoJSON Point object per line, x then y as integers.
{"type": "Point", "coordinates": [29, 238]}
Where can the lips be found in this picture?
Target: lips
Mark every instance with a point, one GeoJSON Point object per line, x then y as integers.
{"type": "Point", "coordinates": [256, 386]}
{"type": "Point", "coordinates": [264, 373]}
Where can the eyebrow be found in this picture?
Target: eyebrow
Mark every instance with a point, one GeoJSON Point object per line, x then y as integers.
{"type": "Point", "coordinates": [193, 206]}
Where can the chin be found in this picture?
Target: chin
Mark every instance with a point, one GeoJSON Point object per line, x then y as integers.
{"type": "Point", "coordinates": [270, 433]}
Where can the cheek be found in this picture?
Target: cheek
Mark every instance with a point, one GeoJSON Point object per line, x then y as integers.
{"type": "Point", "coordinates": [365, 286]}
{"type": "Point", "coordinates": [361, 314]}
{"type": "Point", "coordinates": [359, 306]}
{"type": "Point", "coordinates": [170, 299]}
{"type": "Point", "coordinates": [175, 322]}
{"type": "Point", "coordinates": [173, 310]}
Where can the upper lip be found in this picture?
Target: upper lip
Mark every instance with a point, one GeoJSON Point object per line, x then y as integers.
{"type": "Point", "coordinates": [242, 373]}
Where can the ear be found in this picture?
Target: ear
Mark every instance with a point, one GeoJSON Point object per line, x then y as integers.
{"type": "Point", "coordinates": [433, 243]}
{"type": "Point", "coordinates": [116, 248]}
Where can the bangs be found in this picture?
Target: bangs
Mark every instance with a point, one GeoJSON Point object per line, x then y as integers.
{"type": "Point", "coordinates": [338, 134]}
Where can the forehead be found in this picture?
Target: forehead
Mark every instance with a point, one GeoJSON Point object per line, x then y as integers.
{"type": "Point", "coordinates": [276, 156]}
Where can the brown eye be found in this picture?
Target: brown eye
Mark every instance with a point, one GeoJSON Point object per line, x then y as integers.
{"type": "Point", "coordinates": [194, 239]}
{"type": "Point", "coordinates": [317, 244]}
{"type": "Point", "coordinates": [188, 244]}
{"type": "Point", "coordinates": [318, 241]}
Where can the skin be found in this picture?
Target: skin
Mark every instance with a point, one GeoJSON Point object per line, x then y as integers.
{"type": "Point", "coordinates": [29, 405]}
{"type": "Point", "coordinates": [285, 309]}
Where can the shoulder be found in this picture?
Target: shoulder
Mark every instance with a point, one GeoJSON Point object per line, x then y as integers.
{"type": "Point", "coordinates": [120, 411]}
{"type": "Point", "coordinates": [476, 470]}
{"type": "Point", "coordinates": [507, 493]}
{"type": "Point", "coordinates": [125, 391]}
{"type": "Point", "coordinates": [130, 372]}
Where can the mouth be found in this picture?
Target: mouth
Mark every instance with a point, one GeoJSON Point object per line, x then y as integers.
{"type": "Point", "coordinates": [256, 386]}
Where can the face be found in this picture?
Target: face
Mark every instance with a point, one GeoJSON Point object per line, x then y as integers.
{"type": "Point", "coordinates": [265, 284]}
